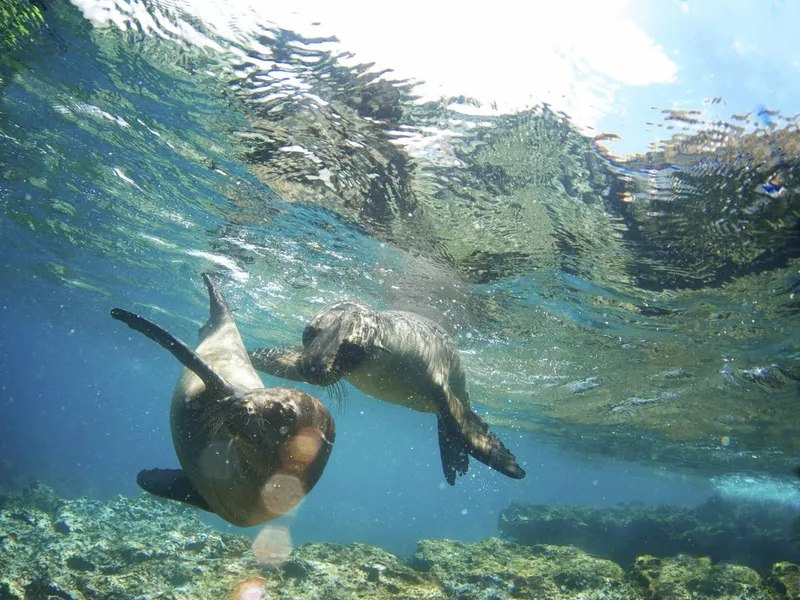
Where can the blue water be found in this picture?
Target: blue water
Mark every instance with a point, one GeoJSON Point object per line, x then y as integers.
{"type": "Point", "coordinates": [96, 214]}
{"type": "Point", "coordinates": [86, 406]}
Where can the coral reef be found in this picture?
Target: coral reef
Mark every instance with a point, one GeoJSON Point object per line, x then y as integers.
{"type": "Point", "coordinates": [756, 534]}
{"type": "Point", "coordinates": [150, 549]}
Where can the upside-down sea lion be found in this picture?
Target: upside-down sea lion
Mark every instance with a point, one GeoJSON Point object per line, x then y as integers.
{"type": "Point", "coordinates": [399, 357]}
{"type": "Point", "coordinates": [249, 453]}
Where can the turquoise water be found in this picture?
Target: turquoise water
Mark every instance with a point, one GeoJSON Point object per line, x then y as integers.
{"type": "Point", "coordinates": [629, 323]}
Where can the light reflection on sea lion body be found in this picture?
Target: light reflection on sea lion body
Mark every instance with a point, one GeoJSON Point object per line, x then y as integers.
{"type": "Point", "coordinates": [249, 454]}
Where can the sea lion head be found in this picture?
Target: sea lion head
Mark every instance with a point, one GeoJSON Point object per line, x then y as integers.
{"type": "Point", "coordinates": [274, 429]}
{"type": "Point", "coordinates": [336, 341]}
{"type": "Point", "coordinates": [264, 452]}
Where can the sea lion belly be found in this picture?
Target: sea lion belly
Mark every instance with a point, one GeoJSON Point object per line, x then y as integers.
{"type": "Point", "coordinates": [398, 379]}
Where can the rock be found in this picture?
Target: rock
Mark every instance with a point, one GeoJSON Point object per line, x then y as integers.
{"type": "Point", "coordinates": [784, 577]}
{"type": "Point", "coordinates": [498, 569]}
{"type": "Point", "coordinates": [328, 571]}
{"type": "Point", "coordinates": [125, 548]}
{"type": "Point", "coordinates": [689, 578]}
{"type": "Point", "coordinates": [148, 549]}
{"type": "Point", "coordinates": [752, 534]}
{"type": "Point", "coordinates": [39, 496]}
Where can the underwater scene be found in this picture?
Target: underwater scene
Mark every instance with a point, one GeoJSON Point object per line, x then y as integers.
{"type": "Point", "coordinates": [343, 300]}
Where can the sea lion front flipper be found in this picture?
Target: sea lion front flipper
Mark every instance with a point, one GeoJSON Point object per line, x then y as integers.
{"type": "Point", "coordinates": [171, 484]}
{"type": "Point", "coordinates": [188, 357]}
{"type": "Point", "coordinates": [455, 455]}
{"type": "Point", "coordinates": [479, 440]}
{"type": "Point", "coordinates": [280, 361]}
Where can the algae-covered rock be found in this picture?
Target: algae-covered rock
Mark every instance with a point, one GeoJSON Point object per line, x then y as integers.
{"type": "Point", "coordinates": [354, 571]}
{"type": "Point", "coordinates": [690, 578]}
{"type": "Point", "coordinates": [753, 534]}
{"type": "Point", "coordinates": [149, 549]}
{"type": "Point", "coordinates": [126, 548]}
{"type": "Point", "coordinates": [497, 569]}
{"type": "Point", "coordinates": [784, 578]}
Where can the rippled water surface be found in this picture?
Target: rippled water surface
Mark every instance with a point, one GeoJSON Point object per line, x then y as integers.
{"type": "Point", "coordinates": [614, 243]}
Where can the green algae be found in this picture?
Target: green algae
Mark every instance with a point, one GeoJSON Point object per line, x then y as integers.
{"type": "Point", "coordinates": [149, 549]}
{"type": "Point", "coordinates": [690, 578]}
{"type": "Point", "coordinates": [785, 578]}
{"type": "Point", "coordinates": [19, 20]}
{"type": "Point", "coordinates": [755, 534]}
{"type": "Point", "coordinates": [497, 569]}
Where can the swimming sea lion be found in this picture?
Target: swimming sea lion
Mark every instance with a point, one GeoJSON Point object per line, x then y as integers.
{"type": "Point", "coordinates": [399, 357]}
{"type": "Point", "coordinates": [249, 453]}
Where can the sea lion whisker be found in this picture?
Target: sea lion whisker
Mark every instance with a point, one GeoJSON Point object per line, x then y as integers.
{"type": "Point", "coordinates": [337, 393]}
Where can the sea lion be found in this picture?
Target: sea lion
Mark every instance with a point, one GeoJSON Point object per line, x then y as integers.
{"type": "Point", "coordinates": [249, 453]}
{"type": "Point", "coordinates": [399, 357]}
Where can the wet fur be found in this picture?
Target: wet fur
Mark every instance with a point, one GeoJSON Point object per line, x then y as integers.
{"type": "Point", "coordinates": [397, 357]}
{"type": "Point", "coordinates": [229, 432]}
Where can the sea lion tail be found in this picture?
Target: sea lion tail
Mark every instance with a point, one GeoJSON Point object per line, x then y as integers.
{"type": "Point", "coordinates": [188, 357]}
{"type": "Point", "coordinates": [478, 439]}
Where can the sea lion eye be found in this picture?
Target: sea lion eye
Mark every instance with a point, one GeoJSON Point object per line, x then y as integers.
{"type": "Point", "coordinates": [309, 334]}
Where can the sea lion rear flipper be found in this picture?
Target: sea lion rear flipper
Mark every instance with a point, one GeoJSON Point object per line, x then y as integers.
{"type": "Point", "coordinates": [455, 457]}
{"type": "Point", "coordinates": [280, 361]}
{"type": "Point", "coordinates": [218, 311]}
{"type": "Point", "coordinates": [171, 484]}
{"type": "Point", "coordinates": [188, 357]}
{"type": "Point", "coordinates": [479, 440]}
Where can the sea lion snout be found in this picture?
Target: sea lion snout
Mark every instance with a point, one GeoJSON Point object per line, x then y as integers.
{"type": "Point", "coordinates": [322, 360]}
{"type": "Point", "coordinates": [270, 415]}
{"type": "Point", "coordinates": [318, 370]}
{"type": "Point", "coordinates": [326, 361]}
